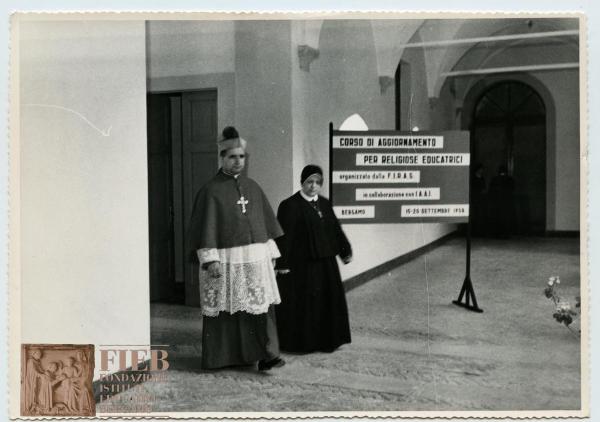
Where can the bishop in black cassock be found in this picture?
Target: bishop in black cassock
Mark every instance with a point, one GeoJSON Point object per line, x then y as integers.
{"type": "Point", "coordinates": [232, 230]}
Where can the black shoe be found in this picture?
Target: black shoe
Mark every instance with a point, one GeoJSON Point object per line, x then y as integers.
{"type": "Point", "coordinates": [265, 365]}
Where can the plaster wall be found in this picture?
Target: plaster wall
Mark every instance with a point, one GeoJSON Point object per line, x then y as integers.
{"type": "Point", "coordinates": [185, 48]}
{"type": "Point", "coordinates": [83, 180]}
{"type": "Point", "coordinates": [343, 81]}
{"type": "Point", "coordinates": [263, 102]}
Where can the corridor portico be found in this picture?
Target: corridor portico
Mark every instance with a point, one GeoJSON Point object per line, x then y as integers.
{"type": "Point", "coordinates": [118, 116]}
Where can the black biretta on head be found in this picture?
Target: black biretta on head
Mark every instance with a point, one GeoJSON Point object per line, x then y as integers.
{"type": "Point", "coordinates": [230, 139]}
{"type": "Point", "coordinates": [308, 171]}
{"type": "Point", "coordinates": [230, 133]}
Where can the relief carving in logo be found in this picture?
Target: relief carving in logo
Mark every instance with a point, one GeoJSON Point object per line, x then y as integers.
{"type": "Point", "coordinates": [56, 380]}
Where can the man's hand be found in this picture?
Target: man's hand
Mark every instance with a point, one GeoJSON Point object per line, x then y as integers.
{"type": "Point", "coordinates": [280, 271]}
{"type": "Point", "coordinates": [347, 259]}
{"type": "Point", "coordinates": [214, 269]}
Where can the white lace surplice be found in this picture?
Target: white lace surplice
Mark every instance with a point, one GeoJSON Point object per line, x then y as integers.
{"type": "Point", "coordinates": [247, 281]}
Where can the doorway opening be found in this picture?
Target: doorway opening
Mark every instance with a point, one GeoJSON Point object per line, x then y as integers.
{"type": "Point", "coordinates": [182, 151]}
{"type": "Point", "coordinates": [508, 134]}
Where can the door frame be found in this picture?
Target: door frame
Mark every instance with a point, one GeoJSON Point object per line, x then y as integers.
{"type": "Point", "coordinates": [172, 288]}
{"type": "Point", "coordinates": [180, 295]}
{"type": "Point", "coordinates": [479, 85]}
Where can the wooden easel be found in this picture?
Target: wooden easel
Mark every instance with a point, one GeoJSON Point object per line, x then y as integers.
{"type": "Point", "coordinates": [467, 290]}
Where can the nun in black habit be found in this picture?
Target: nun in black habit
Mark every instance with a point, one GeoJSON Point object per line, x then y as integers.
{"type": "Point", "coordinates": [313, 315]}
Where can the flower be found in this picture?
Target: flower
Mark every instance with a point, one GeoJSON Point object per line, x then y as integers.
{"type": "Point", "coordinates": [564, 313]}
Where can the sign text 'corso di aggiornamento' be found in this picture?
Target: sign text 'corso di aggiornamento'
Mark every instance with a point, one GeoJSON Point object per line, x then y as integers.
{"type": "Point", "coordinates": [400, 177]}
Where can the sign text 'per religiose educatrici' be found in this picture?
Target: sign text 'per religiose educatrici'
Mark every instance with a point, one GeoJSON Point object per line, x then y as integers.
{"type": "Point", "coordinates": [399, 177]}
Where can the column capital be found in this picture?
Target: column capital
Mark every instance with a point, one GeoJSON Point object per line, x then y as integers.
{"type": "Point", "coordinates": [306, 55]}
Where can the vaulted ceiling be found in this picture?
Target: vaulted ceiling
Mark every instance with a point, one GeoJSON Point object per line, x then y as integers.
{"type": "Point", "coordinates": [187, 43]}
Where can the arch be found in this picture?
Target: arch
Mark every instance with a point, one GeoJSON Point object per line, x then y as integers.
{"type": "Point", "coordinates": [477, 89]}
{"type": "Point", "coordinates": [389, 38]}
{"type": "Point", "coordinates": [452, 57]}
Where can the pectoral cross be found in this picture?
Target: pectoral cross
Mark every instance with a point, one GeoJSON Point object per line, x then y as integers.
{"type": "Point", "coordinates": [315, 205]}
{"type": "Point", "coordinates": [243, 202]}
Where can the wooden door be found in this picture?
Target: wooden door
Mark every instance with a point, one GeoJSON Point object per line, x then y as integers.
{"type": "Point", "coordinates": [509, 129]}
{"type": "Point", "coordinates": [199, 164]}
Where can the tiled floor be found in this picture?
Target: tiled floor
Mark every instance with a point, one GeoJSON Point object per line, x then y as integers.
{"type": "Point", "coordinates": [412, 349]}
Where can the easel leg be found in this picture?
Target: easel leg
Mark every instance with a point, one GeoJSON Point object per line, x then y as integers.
{"type": "Point", "coordinates": [467, 288]}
